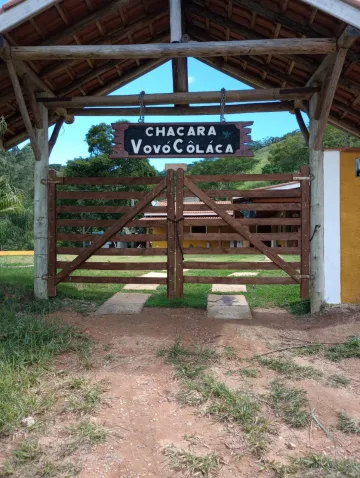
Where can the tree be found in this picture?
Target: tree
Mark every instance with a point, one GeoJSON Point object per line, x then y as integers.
{"type": "Point", "coordinates": [288, 155]}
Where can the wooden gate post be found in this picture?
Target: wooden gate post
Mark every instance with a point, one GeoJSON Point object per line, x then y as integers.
{"type": "Point", "coordinates": [179, 233]}
{"type": "Point", "coordinates": [41, 208]}
{"type": "Point", "coordinates": [305, 232]}
{"type": "Point", "coordinates": [51, 233]}
{"type": "Point", "coordinates": [317, 283]}
{"type": "Point", "coordinates": [170, 193]}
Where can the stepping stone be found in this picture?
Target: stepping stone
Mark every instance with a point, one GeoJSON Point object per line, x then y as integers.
{"type": "Point", "coordinates": [123, 304]}
{"type": "Point", "coordinates": [141, 287]}
{"type": "Point", "coordinates": [155, 275]}
{"type": "Point", "coordinates": [244, 274]}
{"type": "Point", "coordinates": [228, 307]}
{"type": "Point", "coordinates": [228, 288]}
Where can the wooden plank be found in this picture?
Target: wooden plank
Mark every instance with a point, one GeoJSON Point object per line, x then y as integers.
{"type": "Point", "coordinates": [203, 178]}
{"type": "Point", "coordinates": [101, 194]}
{"type": "Point", "coordinates": [252, 193]}
{"type": "Point", "coordinates": [238, 280]}
{"type": "Point", "coordinates": [339, 9]}
{"type": "Point", "coordinates": [243, 231]}
{"type": "Point", "coordinates": [109, 222]}
{"type": "Point", "coordinates": [18, 14]}
{"type": "Point", "coordinates": [115, 237]}
{"type": "Point", "coordinates": [273, 221]}
{"type": "Point", "coordinates": [132, 181]}
{"type": "Point", "coordinates": [268, 266]}
{"type": "Point", "coordinates": [113, 251]}
{"type": "Point", "coordinates": [117, 226]}
{"type": "Point", "coordinates": [170, 192]}
{"type": "Point", "coordinates": [51, 233]}
{"type": "Point", "coordinates": [180, 233]}
{"type": "Point", "coordinates": [284, 46]}
{"type": "Point", "coordinates": [180, 110]}
{"type": "Point", "coordinates": [184, 98]}
{"type": "Point", "coordinates": [239, 250]}
{"type": "Point", "coordinates": [114, 280]}
{"type": "Point", "coordinates": [116, 266]}
{"type": "Point", "coordinates": [238, 237]}
{"type": "Point", "coordinates": [305, 233]}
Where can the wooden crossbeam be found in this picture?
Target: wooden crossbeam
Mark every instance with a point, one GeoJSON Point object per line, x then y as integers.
{"type": "Point", "coordinates": [302, 126]}
{"type": "Point", "coordinates": [55, 134]}
{"type": "Point", "coordinates": [285, 46]}
{"type": "Point", "coordinates": [187, 110]}
{"type": "Point", "coordinates": [232, 96]}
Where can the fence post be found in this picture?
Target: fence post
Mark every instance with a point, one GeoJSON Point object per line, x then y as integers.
{"type": "Point", "coordinates": [170, 232]}
{"type": "Point", "coordinates": [52, 233]}
{"type": "Point", "coordinates": [305, 231]}
{"type": "Point", "coordinates": [179, 233]}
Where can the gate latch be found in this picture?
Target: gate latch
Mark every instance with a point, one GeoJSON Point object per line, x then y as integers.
{"type": "Point", "coordinates": [301, 178]}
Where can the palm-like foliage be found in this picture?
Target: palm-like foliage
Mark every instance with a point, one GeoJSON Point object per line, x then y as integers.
{"type": "Point", "coordinates": [10, 200]}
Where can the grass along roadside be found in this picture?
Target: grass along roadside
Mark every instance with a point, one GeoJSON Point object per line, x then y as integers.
{"type": "Point", "coordinates": [191, 464]}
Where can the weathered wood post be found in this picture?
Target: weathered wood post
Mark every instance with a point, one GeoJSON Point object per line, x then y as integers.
{"type": "Point", "coordinates": [316, 213]}
{"type": "Point", "coordinates": [41, 208]}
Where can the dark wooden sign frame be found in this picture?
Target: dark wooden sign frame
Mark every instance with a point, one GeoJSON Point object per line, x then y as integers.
{"type": "Point", "coordinates": [124, 133]}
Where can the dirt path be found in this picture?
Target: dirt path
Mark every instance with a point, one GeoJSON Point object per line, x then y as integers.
{"type": "Point", "coordinates": [141, 412]}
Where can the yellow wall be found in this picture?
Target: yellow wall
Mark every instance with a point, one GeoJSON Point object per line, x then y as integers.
{"type": "Point", "coordinates": [350, 227]}
{"type": "Point", "coordinates": [187, 244]}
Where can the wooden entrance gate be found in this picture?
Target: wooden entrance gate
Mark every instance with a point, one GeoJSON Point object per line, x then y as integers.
{"type": "Point", "coordinates": [282, 210]}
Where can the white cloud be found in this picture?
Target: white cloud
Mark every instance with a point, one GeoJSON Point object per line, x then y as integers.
{"type": "Point", "coordinates": [191, 79]}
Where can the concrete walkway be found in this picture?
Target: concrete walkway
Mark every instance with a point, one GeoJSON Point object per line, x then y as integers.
{"type": "Point", "coordinates": [228, 288]}
{"type": "Point", "coordinates": [228, 307]}
{"type": "Point", "coordinates": [123, 304]}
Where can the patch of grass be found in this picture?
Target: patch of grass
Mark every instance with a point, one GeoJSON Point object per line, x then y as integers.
{"type": "Point", "coordinates": [247, 372]}
{"type": "Point", "coordinates": [213, 397]}
{"type": "Point", "coordinates": [85, 396]}
{"type": "Point", "coordinates": [309, 350]}
{"type": "Point", "coordinates": [348, 349]}
{"type": "Point", "coordinates": [189, 464]}
{"type": "Point", "coordinates": [322, 465]}
{"type": "Point", "coordinates": [337, 381]}
{"type": "Point", "coordinates": [229, 353]}
{"type": "Point", "coordinates": [347, 424]}
{"type": "Point", "coordinates": [289, 403]}
{"type": "Point", "coordinates": [28, 344]}
{"type": "Point", "coordinates": [85, 434]}
{"type": "Point", "coordinates": [289, 368]}
{"type": "Point", "coordinates": [28, 450]}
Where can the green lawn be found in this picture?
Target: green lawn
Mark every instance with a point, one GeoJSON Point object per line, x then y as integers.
{"type": "Point", "coordinates": [195, 295]}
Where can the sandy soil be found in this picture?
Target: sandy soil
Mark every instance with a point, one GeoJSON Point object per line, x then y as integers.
{"type": "Point", "coordinates": [141, 412]}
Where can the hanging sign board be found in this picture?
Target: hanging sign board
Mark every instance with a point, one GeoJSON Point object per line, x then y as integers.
{"type": "Point", "coordinates": [182, 140]}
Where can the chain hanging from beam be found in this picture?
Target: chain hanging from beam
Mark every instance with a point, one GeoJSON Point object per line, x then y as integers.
{"type": "Point", "coordinates": [142, 107]}
{"type": "Point", "coordinates": [222, 105]}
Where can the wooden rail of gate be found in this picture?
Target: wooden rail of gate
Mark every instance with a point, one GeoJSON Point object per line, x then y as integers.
{"type": "Point", "coordinates": [265, 200]}
{"type": "Point", "coordinates": [61, 191]}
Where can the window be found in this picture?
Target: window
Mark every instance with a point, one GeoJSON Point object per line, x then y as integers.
{"type": "Point", "coordinates": [199, 229]}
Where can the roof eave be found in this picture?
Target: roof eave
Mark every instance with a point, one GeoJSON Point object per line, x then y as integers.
{"type": "Point", "coordinates": [17, 14]}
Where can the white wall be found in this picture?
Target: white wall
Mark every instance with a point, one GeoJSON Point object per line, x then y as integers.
{"type": "Point", "coordinates": [332, 266]}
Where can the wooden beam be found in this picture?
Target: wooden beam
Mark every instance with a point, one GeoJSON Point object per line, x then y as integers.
{"type": "Point", "coordinates": [339, 9]}
{"type": "Point", "coordinates": [23, 109]}
{"type": "Point", "coordinates": [184, 98]}
{"type": "Point", "coordinates": [17, 14]}
{"type": "Point", "coordinates": [296, 46]}
{"type": "Point", "coordinates": [41, 208]}
{"type": "Point", "coordinates": [30, 93]}
{"type": "Point", "coordinates": [179, 65]}
{"type": "Point", "coordinates": [266, 107]}
{"type": "Point", "coordinates": [302, 126]}
{"type": "Point", "coordinates": [55, 134]}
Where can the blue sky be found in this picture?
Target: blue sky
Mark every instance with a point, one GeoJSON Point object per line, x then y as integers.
{"type": "Point", "coordinates": [71, 142]}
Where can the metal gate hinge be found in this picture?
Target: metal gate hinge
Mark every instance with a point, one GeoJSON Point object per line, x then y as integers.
{"type": "Point", "coordinates": [46, 277]}
{"type": "Point", "coordinates": [301, 178]}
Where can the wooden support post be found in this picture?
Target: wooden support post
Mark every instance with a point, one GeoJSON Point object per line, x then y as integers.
{"type": "Point", "coordinates": [179, 65]}
{"type": "Point", "coordinates": [23, 110]}
{"type": "Point", "coordinates": [55, 134]}
{"type": "Point", "coordinates": [305, 232]}
{"type": "Point", "coordinates": [302, 126]}
{"type": "Point", "coordinates": [316, 214]}
{"type": "Point", "coordinates": [51, 233]}
{"type": "Point", "coordinates": [179, 233]}
{"type": "Point", "coordinates": [41, 208]}
{"type": "Point", "coordinates": [30, 93]}
{"type": "Point", "coordinates": [170, 194]}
